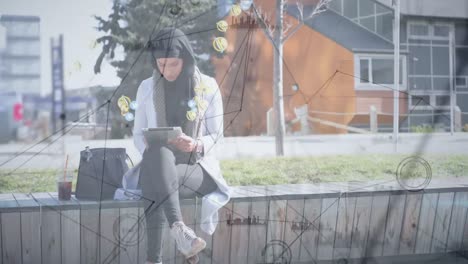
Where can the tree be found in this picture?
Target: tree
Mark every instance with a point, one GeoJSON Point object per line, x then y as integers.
{"type": "Point", "coordinates": [278, 34]}
{"type": "Point", "coordinates": [130, 26]}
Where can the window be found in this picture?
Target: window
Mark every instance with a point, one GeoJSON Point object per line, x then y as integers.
{"type": "Point", "coordinates": [21, 29]}
{"type": "Point", "coordinates": [441, 83]}
{"type": "Point", "coordinates": [420, 60]}
{"type": "Point", "coordinates": [364, 69]}
{"type": "Point", "coordinates": [336, 6]}
{"type": "Point", "coordinates": [418, 30]}
{"type": "Point", "coordinates": [382, 71]}
{"type": "Point", "coordinates": [430, 102]}
{"type": "Point", "coordinates": [461, 55]}
{"type": "Point", "coordinates": [385, 25]}
{"type": "Point", "coordinates": [420, 100]}
{"type": "Point", "coordinates": [25, 67]}
{"type": "Point", "coordinates": [30, 48]}
{"type": "Point", "coordinates": [380, 9]}
{"type": "Point", "coordinates": [375, 70]}
{"type": "Point", "coordinates": [31, 85]}
{"type": "Point", "coordinates": [460, 81]}
{"type": "Point", "coordinates": [368, 22]}
{"type": "Point", "coordinates": [366, 8]}
{"type": "Point", "coordinates": [461, 33]}
{"type": "Point", "coordinates": [442, 100]}
{"type": "Point", "coordinates": [368, 14]}
{"type": "Point", "coordinates": [420, 83]}
{"type": "Point", "coordinates": [350, 8]}
{"type": "Point", "coordinates": [441, 30]}
{"type": "Point", "coordinates": [440, 61]}
{"type": "Point", "coordinates": [425, 29]}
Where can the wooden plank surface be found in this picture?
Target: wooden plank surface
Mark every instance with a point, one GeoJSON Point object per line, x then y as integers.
{"type": "Point", "coordinates": [70, 226]}
{"type": "Point", "coordinates": [141, 235]}
{"type": "Point", "coordinates": [396, 209]}
{"type": "Point", "coordinates": [344, 228]}
{"type": "Point", "coordinates": [465, 237]}
{"type": "Point", "coordinates": [109, 242]}
{"type": "Point", "coordinates": [70, 222]}
{"type": "Point", "coordinates": [310, 237]}
{"type": "Point", "coordinates": [426, 223]}
{"type": "Point", "coordinates": [375, 240]}
{"type": "Point", "coordinates": [295, 226]}
{"type": "Point", "coordinates": [275, 229]}
{"type": "Point", "coordinates": [327, 228]}
{"type": "Point", "coordinates": [50, 228]}
{"type": "Point", "coordinates": [30, 228]}
{"type": "Point", "coordinates": [8, 204]}
{"type": "Point", "coordinates": [410, 223]}
{"type": "Point", "coordinates": [257, 231]}
{"type": "Point", "coordinates": [460, 209]}
{"type": "Point", "coordinates": [1, 250]}
{"type": "Point", "coordinates": [442, 222]}
{"type": "Point", "coordinates": [89, 233]}
{"type": "Point", "coordinates": [11, 237]}
{"type": "Point", "coordinates": [222, 235]}
{"type": "Point", "coordinates": [240, 232]}
{"type": "Point", "coordinates": [128, 235]}
{"type": "Point", "coordinates": [361, 222]}
{"type": "Point", "coordinates": [416, 222]}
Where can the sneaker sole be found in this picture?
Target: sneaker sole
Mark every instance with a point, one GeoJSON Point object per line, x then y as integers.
{"type": "Point", "coordinates": [199, 246]}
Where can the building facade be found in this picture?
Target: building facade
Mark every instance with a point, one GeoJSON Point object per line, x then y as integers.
{"type": "Point", "coordinates": [20, 58]}
{"type": "Point", "coordinates": [342, 60]}
{"type": "Point", "coordinates": [431, 38]}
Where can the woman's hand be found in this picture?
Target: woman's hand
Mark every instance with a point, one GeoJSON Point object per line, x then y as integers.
{"type": "Point", "coordinates": [184, 143]}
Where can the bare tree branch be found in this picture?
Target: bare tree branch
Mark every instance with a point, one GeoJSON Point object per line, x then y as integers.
{"type": "Point", "coordinates": [300, 9]}
{"type": "Point", "coordinates": [286, 26]}
{"type": "Point", "coordinates": [266, 28]}
{"type": "Point", "coordinates": [321, 6]}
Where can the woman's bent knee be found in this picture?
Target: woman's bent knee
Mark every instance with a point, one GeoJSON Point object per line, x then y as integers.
{"type": "Point", "coordinates": [160, 149]}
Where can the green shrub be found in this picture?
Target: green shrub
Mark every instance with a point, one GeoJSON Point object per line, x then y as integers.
{"type": "Point", "coordinates": [465, 128]}
{"type": "Point", "coordinates": [425, 128]}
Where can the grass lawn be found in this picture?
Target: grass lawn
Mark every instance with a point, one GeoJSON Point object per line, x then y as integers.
{"type": "Point", "coordinates": [339, 168]}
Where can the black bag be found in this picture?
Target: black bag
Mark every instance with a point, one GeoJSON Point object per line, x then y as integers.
{"type": "Point", "coordinates": [97, 178]}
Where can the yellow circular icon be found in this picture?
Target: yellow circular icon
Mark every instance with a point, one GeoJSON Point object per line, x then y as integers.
{"type": "Point", "coordinates": [236, 10]}
{"type": "Point", "coordinates": [191, 115]}
{"type": "Point", "coordinates": [202, 105]}
{"type": "Point", "coordinates": [124, 104]}
{"type": "Point", "coordinates": [220, 44]}
{"type": "Point", "coordinates": [222, 26]}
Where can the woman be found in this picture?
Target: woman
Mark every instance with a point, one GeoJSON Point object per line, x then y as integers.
{"type": "Point", "coordinates": [186, 166]}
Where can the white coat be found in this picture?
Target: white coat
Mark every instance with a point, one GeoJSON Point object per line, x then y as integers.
{"type": "Point", "coordinates": [212, 136]}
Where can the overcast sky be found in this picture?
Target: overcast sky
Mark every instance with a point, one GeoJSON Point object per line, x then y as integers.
{"type": "Point", "coordinates": [73, 19]}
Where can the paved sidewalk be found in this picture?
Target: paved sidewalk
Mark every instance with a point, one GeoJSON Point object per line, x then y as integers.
{"type": "Point", "coordinates": [249, 147]}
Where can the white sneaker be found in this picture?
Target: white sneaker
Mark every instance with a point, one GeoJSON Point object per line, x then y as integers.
{"type": "Point", "coordinates": [187, 241]}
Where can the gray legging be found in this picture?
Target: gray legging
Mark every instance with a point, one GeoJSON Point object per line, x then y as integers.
{"type": "Point", "coordinates": [164, 176]}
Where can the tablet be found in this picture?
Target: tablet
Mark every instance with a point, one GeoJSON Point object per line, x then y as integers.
{"type": "Point", "coordinates": [161, 134]}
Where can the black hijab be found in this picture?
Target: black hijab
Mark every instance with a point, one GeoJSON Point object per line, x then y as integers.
{"type": "Point", "coordinates": [173, 43]}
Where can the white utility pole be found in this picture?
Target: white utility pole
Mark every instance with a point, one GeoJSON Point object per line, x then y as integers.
{"type": "Point", "coordinates": [396, 71]}
{"type": "Point", "coordinates": [452, 92]}
{"type": "Point", "coordinates": [278, 79]}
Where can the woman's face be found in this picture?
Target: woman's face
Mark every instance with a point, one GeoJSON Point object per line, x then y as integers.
{"type": "Point", "coordinates": [170, 68]}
